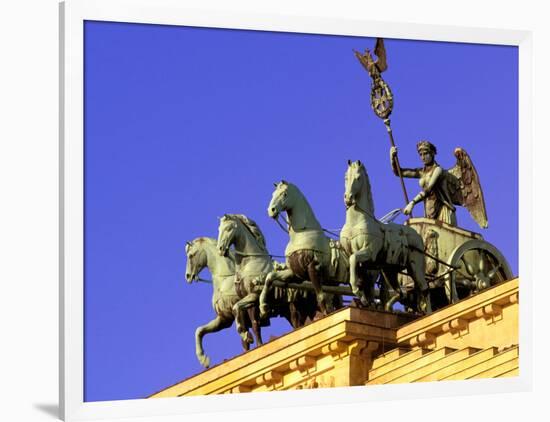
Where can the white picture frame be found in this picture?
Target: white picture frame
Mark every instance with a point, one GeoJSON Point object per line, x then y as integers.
{"type": "Point", "coordinates": [73, 13]}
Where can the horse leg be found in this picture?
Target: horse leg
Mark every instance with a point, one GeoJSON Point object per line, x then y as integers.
{"type": "Point", "coordinates": [255, 320]}
{"type": "Point", "coordinates": [238, 312]}
{"type": "Point", "coordinates": [368, 279]}
{"type": "Point", "coordinates": [416, 268]}
{"type": "Point", "coordinates": [217, 324]}
{"type": "Point", "coordinates": [366, 283]}
{"type": "Point", "coordinates": [313, 270]}
{"type": "Point", "coordinates": [361, 256]}
{"type": "Point", "coordinates": [294, 318]}
{"type": "Point", "coordinates": [302, 308]}
{"type": "Point", "coordinates": [283, 275]}
{"type": "Point", "coordinates": [389, 283]}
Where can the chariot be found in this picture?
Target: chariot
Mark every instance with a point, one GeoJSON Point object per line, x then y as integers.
{"type": "Point", "coordinates": [459, 262]}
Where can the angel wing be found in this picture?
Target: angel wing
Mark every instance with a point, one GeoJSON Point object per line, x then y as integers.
{"type": "Point", "coordinates": [465, 189]}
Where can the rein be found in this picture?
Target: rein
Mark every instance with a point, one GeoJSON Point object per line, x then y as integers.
{"type": "Point", "coordinates": [388, 218]}
{"type": "Point", "coordinates": [288, 224]}
{"type": "Point", "coordinates": [392, 215]}
{"type": "Point", "coordinates": [330, 232]}
{"type": "Point", "coordinates": [362, 210]}
{"type": "Point", "coordinates": [256, 254]}
{"type": "Point", "coordinates": [204, 280]}
{"type": "Point", "coordinates": [281, 225]}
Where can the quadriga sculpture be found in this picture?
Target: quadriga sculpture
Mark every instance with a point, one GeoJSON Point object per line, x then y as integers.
{"type": "Point", "coordinates": [310, 255]}
{"type": "Point", "coordinates": [389, 247]}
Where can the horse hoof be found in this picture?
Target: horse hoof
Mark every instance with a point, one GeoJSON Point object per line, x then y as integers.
{"type": "Point", "coordinates": [264, 311]}
{"type": "Point", "coordinates": [425, 305]}
{"type": "Point", "coordinates": [321, 304]}
{"type": "Point", "coordinates": [247, 337]}
{"type": "Point", "coordinates": [318, 315]}
{"type": "Point", "coordinates": [205, 361]}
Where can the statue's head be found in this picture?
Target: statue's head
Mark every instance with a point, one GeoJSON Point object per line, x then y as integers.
{"type": "Point", "coordinates": [280, 200]}
{"type": "Point", "coordinates": [426, 151]}
{"type": "Point", "coordinates": [226, 234]}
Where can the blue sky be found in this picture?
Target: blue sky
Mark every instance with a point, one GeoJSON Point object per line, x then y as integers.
{"type": "Point", "coordinates": [185, 124]}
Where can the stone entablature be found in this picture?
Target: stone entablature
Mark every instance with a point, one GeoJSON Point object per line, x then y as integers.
{"type": "Point", "coordinates": [488, 319]}
{"type": "Point", "coordinates": [320, 353]}
{"type": "Point", "coordinates": [348, 348]}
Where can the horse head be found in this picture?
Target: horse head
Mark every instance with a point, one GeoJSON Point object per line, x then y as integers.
{"type": "Point", "coordinates": [196, 260]}
{"type": "Point", "coordinates": [354, 182]}
{"type": "Point", "coordinates": [289, 198]}
{"type": "Point", "coordinates": [358, 186]}
{"type": "Point", "coordinates": [226, 234]}
{"type": "Point", "coordinates": [280, 200]}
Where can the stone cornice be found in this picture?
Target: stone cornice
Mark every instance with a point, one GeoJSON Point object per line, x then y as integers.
{"type": "Point", "coordinates": [454, 318]}
{"type": "Point", "coordinates": [349, 331]}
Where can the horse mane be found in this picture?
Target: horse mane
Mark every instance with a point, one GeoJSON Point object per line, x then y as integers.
{"type": "Point", "coordinates": [368, 189]}
{"type": "Point", "coordinates": [204, 239]}
{"type": "Point", "coordinates": [253, 228]}
{"type": "Point", "coordinates": [307, 217]}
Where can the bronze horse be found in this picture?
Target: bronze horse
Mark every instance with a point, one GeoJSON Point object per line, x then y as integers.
{"type": "Point", "coordinates": [253, 264]}
{"type": "Point", "coordinates": [389, 247]}
{"type": "Point", "coordinates": [202, 253]}
{"type": "Point", "coordinates": [310, 255]}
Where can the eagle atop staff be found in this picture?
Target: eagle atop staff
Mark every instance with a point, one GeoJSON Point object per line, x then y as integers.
{"type": "Point", "coordinates": [374, 67]}
{"type": "Point", "coordinates": [380, 94]}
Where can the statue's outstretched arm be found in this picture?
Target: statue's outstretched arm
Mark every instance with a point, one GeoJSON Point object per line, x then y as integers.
{"type": "Point", "coordinates": [413, 173]}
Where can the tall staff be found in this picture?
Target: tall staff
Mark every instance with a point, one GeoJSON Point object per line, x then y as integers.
{"type": "Point", "coordinates": [381, 98]}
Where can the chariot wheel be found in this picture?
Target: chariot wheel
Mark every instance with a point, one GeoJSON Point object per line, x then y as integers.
{"type": "Point", "coordinates": [479, 265]}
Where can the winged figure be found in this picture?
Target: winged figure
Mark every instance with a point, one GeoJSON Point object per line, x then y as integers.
{"type": "Point", "coordinates": [443, 189]}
